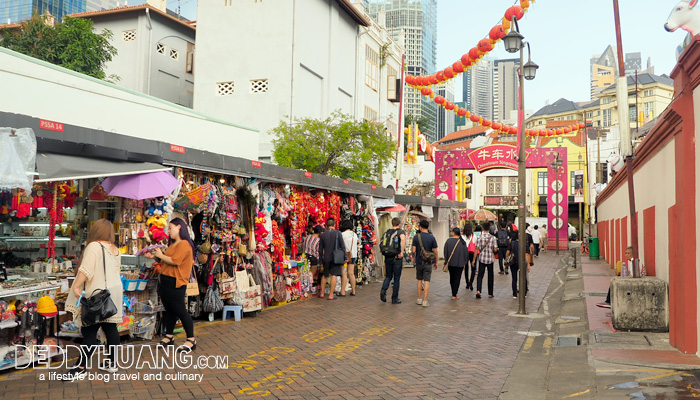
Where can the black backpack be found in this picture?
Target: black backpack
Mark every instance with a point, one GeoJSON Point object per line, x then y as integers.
{"type": "Point", "coordinates": [502, 238]}
{"type": "Point", "coordinates": [390, 245]}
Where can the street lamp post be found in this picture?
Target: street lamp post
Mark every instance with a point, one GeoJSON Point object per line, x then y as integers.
{"type": "Point", "coordinates": [514, 42]}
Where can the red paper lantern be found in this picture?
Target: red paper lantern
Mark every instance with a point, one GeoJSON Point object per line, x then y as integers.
{"type": "Point", "coordinates": [458, 67]}
{"type": "Point", "coordinates": [567, 130]}
{"type": "Point", "coordinates": [474, 118]}
{"type": "Point", "coordinates": [497, 32]}
{"type": "Point", "coordinates": [426, 91]}
{"type": "Point", "coordinates": [440, 76]}
{"type": "Point", "coordinates": [449, 105]}
{"type": "Point", "coordinates": [433, 79]}
{"type": "Point", "coordinates": [516, 11]}
{"type": "Point", "coordinates": [560, 131]}
{"type": "Point", "coordinates": [474, 54]}
{"type": "Point", "coordinates": [486, 122]}
{"type": "Point", "coordinates": [462, 112]}
{"type": "Point", "coordinates": [485, 45]}
{"type": "Point", "coordinates": [425, 81]}
{"type": "Point", "coordinates": [439, 99]}
{"type": "Point", "coordinates": [466, 60]}
{"type": "Point", "coordinates": [551, 132]}
{"type": "Point", "coordinates": [513, 130]}
{"type": "Point", "coordinates": [449, 72]}
{"type": "Point", "coordinates": [496, 126]}
{"type": "Point", "coordinates": [581, 125]}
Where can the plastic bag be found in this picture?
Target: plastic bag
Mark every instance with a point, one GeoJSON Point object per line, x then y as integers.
{"type": "Point", "coordinates": [18, 153]}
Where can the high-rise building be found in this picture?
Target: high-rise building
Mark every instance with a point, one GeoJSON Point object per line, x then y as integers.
{"type": "Point", "coordinates": [461, 122]}
{"type": "Point", "coordinates": [505, 88]}
{"type": "Point", "coordinates": [604, 68]}
{"type": "Point", "coordinates": [477, 89]}
{"type": "Point", "coordinates": [12, 11]}
{"type": "Point", "coordinates": [417, 19]}
{"type": "Point", "coordinates": [445, 122]}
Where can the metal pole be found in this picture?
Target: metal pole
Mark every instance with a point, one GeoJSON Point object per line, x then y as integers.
{"type": "Point", "coordinates": [522, 235]}
{"type": "Point", "coordinates": [580, 208]}
{"type": "Point", "coordinates": [599, 167]}
{"type": "Point", "coordinates": [399, 150]}
{"type": "Point", "coordinates": [588, 179]}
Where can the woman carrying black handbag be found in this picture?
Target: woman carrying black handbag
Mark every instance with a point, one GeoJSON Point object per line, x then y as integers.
{"type": "Point", "coordinates": [98, 278]}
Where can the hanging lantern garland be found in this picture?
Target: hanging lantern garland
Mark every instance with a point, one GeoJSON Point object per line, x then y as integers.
{"type": "Point", "coordinates": [423, 83]}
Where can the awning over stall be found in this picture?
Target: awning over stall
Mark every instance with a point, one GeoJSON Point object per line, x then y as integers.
{"type": "Point", "coordinates": [58, 167]}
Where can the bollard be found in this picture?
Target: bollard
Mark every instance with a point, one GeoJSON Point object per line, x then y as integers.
{"type": "Point", "coordinates": [573, 255]}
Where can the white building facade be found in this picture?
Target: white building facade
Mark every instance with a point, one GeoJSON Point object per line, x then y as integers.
{"type": "Point", "coordinates": [445, 118]}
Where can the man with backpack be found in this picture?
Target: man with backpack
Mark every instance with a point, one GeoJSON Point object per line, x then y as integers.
{"type": "Point", "coordinates": [425, 255]}
{"type": "Point", "coordinates": [392, 246]}
{"type": "Point", "coordinates": [503, 240]}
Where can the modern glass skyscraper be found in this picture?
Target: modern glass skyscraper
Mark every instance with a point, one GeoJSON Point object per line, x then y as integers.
{"type": "Point", "coordinates": [12, 11]}
{"type": "Point", "coordinates": [418, 20]}
{"type": "Point", "coordinates": [477, 89]}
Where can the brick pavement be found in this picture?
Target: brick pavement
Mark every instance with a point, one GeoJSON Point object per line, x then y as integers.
{"type": "Point", "coordinates": [353, 347]}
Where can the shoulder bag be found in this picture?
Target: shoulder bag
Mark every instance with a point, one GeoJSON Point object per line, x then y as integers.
{"type": "Point", "coordinates": [338, 254]}
{"type": "Point", "coordinates": [99, 306]}
{"type": "Point", "coordinates": [428, 258]}
{"type": "Point", "coordinates": [445, 268]}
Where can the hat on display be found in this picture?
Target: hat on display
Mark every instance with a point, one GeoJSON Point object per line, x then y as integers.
{"type": "Point", "coordinates": [47, 307]}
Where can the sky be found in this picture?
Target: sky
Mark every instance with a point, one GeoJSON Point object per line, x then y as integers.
{"type": "Point", "coordinates": [563, 36]}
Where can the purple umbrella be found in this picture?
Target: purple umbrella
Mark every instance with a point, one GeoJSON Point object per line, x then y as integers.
{"type": "Point", "coordinates": [141, 186]}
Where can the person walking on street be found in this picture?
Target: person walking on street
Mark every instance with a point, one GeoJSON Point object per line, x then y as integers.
{"type": "Point", "coordinates": [455, 254]}
{"type": "Point", "coordinates": [175, 274]}
{"type": "Point", "coordinates": [515, 266]}
{"type": "Point", "coordinates": [536, 240]}
{"type": "Point", "coordinates": [393, 260]}
{"type": "Point", "coordinates": [543, 238]}
{"type": "Point", "coordinates": [351, 243]}
{"type": "Point", "coordinates": [470, 239]}
{"type": "Point", "coordinates": [330, 241]}
{"type": "Point", "coordinates": [310, 247]}
{"type": "Point", "coordinates": [503, 242]}
{"type": "Point", "coordinates": [425, 253]}
{"type": "Point", "coordinates": [486, 246]}
{"type": "Point", "coordinates": [98, 268]}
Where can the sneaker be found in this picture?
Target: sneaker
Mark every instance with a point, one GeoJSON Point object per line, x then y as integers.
{"type": "Point", "coordinates": [603, 305]}
{"type": "Point", "coordinates": [397, 301]}
{"type": "Point", "coordinates": [500, 272]}
{"type": "Point", "coordinates": [108, 366]}
{"type": "Point", "coordinates": [419, 302]}
{"type": "Point", "coordinates": [425, 303]}
{"type": "Point", "coordinates": [515, 297]}
{"type": "Point", "coordinates": [74, 373]}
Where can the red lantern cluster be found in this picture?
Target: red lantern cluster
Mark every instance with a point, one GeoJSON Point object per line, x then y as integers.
{"type": "Point", "coordinates": [483, 47]}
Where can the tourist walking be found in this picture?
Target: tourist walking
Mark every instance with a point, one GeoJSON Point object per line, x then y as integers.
{"type": "Point", "coordinates": [543, 238]}
{"type": "Point", "coordinates": [503, 241]}
{"type": "Point", "coordinates": [425, 253]}
{"type": "Point", "coordinates": [486, 246]}
{"type": "Point", "coordinates": [310, 248]}
{"type": "Point", "coordinates": [536, 240]}
{"type": "Point", "coordinates": [515, 265]}
{"type": "Point", "coordinates": [331, 241]}
{"type": "Point", "coordinates": [470, 269]}
{"type": "Point", "coordinates": [351, 242]}
{"type": "Point", "coordinates": [456, 258]}
{"type": "Point", "coordinates": [393, 251]}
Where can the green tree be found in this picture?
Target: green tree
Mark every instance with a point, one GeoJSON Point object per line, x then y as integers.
{"type": "Point", "coordinates": [422, 122]}
{"type": "Point", "coordinates": [71, 44]}
{"type": "Point", "coordinates": [337, 145]}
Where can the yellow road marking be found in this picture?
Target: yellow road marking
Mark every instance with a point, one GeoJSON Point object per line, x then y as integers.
{"type": "Point", "coordinates": [692, 391]}
{"type": "Point", "coordinates": [633, 370]}
{"type": "Point", "coordinates": [651, 378]}
{"type": "Point", "coordinates": [528, 344]}
{"type": "Point", "coordinates": [547, 345]}
{"type": "Point", "coordinates": [576, 394]}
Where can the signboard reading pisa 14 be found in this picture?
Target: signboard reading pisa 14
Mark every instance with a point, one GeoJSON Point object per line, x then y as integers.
{"type": "Point", "coordinates": [495, 156]}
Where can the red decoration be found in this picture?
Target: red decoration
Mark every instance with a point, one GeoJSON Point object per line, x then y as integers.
{"type": "Point", "coordinates": [426, 91]}
{"type": "Point", "coordinates": [474, 118]}
{"type": "Point", "coordinates": [458, 67]}
{"type": "Point", "coordinates": [462, 112]}
{"type": "Point", "coordinates": [497, 126]}
{"type": "Point", "coordinates": [486, 122]}
{"type": "Point", "coordinates": [441, 76]}
{"type": "Point", "coordinates": [516, 11]}
{"type": "Point", "coordinates": [513, 130]}
{"type": "Point", "coordinates": [433, 79]}
{"type": "Point", "coordinates": [474, 53]}
{"type": "Point", "coordinates": [485, 45]}
{"type": "Point", "coordinates": [466, 60]}
{"type": "Point", "coordinates": [581, 125]}
{"type": "Point", "coordinates": [497, 32]}
{"type": "Point", "coordinates": [439, 99]}
{"type": "Point", "coordinates": [560, 131]}
{"type": "Point", "coordinates": [567, 130]}
{"type": "Point", "coordinates": [449, 105]}
{"type": "Point", "coordinates": [449, 72]}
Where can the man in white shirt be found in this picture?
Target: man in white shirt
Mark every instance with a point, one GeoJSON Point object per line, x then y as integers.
{"type": "Point", "coordinates": [536, 236]}
{"type": "Point", "coordinates": [543, 238]}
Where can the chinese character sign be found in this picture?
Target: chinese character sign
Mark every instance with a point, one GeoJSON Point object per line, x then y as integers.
{"type": "Point", "coordinates": [496, 156]}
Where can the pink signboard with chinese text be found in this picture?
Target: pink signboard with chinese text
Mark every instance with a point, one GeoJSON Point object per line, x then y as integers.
{"type": "Point", "coordinates": [496, 156]}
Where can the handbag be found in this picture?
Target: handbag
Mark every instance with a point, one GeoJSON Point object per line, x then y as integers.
{"type": "Point", "coordinates": [227, 285]}
{"type": "Point", "coordinates": [428, 258]}
{"type": "Point", "coordinates": [192, 285]}
{"type": "Point", "coordinates": [510, 259]}
{"type": "Point", "coordinates": [205, 247]}
{"type": "Point", "coordinates": [445, 268]}
{"type": "Point", "coordinates": [212, 302]}
{"type": "Point", "coordinates": [472, 244]}
{"type": "Point", "coordinates": [99, 306]}
{"type": "Point", "coordinates": [338, 254]}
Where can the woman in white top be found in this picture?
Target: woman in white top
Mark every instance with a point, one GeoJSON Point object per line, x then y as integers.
{"type": "Point", "coordinates": [351, 243]}
{"type": "Point", "coordinates": [470, 239]}
{"type": "Point", "coordinates": [98, 269]}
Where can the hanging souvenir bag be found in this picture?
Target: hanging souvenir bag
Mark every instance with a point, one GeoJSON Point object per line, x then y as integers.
{"type": "Point", "coordinates": [192, 285]}
{"type": "Point", "coordinates": [253, 300]}
{"type": "Point", "coordinates": [212, 301]}
{"type": "Point", "coordinates": [227, 285]}
{"type": "Point", "coordinates": [242, 286]}
{"type": "Point", "coordinates": [200, 194]}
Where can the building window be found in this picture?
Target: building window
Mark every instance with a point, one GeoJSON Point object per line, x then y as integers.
{"type": "Point", "coordinates": [606, 100]}
{"type": "Point", "coordinates": [174, 54]}
{"type": "Point", "coordinates": [189, 68]}
{"type": "Point", "coordinates": [493, 186]}
{"type": "Point", "coordinates": [371, 68]}
{"type": "Point", "coordinates": [371, 115]}
{"type": "Point", "coordinates": [607, 117]}
{"type": "Point", "coordinates": [603, 167]}
{"type": "Point", "coordinates": [258, 86]}
{"type": "Point", "coordinates": [392, 128]}
{"type": "Point", "coordinates": [633, 113]}
{"type": "Point", "coordinates": [160, 48]}
{"type": "Point", "coordinates": [224, 88]}
{"type": "Point", "coordinates": [542, 183]}
{"type": "Point", "coordinates": [649, 111]}
{"type": "Point", "coordinates": [649, 92]}
{"type": "Point", "coordinates": [513, 185]}
{"type": "Point", "coordinates": [391, 84]}
{"type": "Point", "coordinates": [129, 36]}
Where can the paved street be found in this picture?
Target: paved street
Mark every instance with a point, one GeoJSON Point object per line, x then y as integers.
{"type": "Point", "coordinates": [353, 347]}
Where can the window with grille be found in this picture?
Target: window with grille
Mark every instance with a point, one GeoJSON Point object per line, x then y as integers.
{"type": "Point", "coordinates": [391, 83]}
{"type": "Point", "coordinates": [513, 185]}
{"type": "Point", "coordinates": [494, 186]}
{"type": "Point", "coordinates": [371, 68]}
{"type": "Point", "coordinates": [160, 48]}
{"type": "Point", "coordinates": [371, 115]}
{"type": "Point", "coordinates": [542, 183]}
{"type": "Point", "coordinates": [174, 54]}
{"type": "Point", "coordinates": [129, 36]}
{"type": "Point", "coordinates": [224, 88]}
{"type": "Point", "coordinates": [258, 86]}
